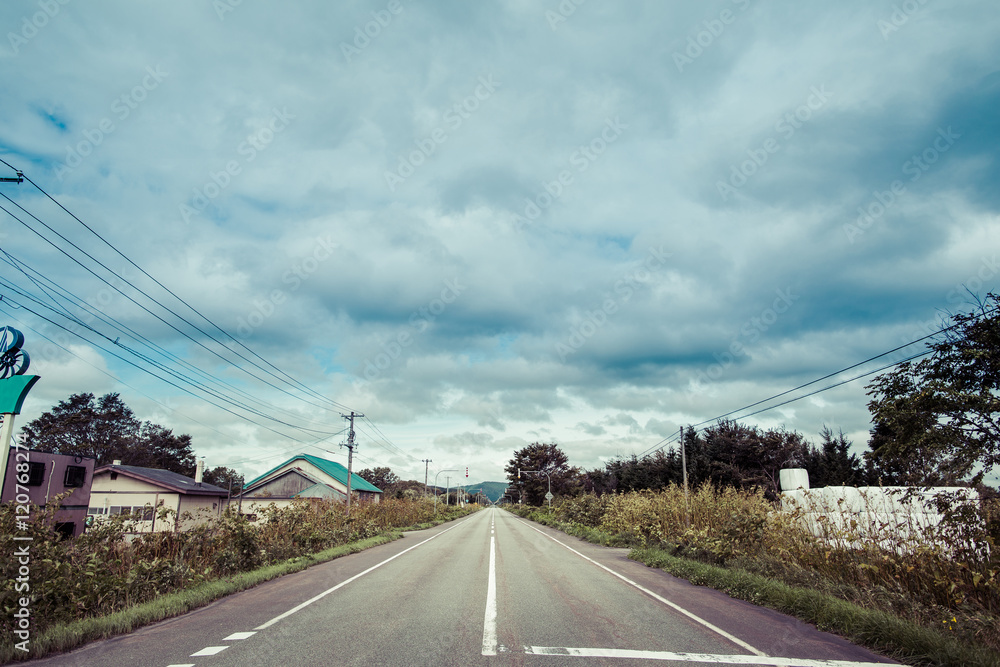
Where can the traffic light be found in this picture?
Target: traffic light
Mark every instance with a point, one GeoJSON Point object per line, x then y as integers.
{"type": "Point", "coordinates": [466, 471]}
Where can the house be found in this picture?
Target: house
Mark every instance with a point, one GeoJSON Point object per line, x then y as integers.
{"type": "Point", "coordinates": [122, 489]}
{"type": "Point", "coordinates": [304, 476]}
{"type": "Point", "coordinates": [43, 475]}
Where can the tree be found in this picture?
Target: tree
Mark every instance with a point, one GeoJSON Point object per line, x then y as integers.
{"type": "Point", "coordinates": [224, 478]}
{"type": "Point", "coordinates": [541, 459]}
{"type": "Point", "coordinates": [744, 456]}
{"type": "Point", "coordinates": [832, 463]}
{"type": "Point", "coordinates": [935, 421]}
{"type": "Point", "coordinates": [107, 430]}
{"type": "Point", "coordinates": [383, 478]}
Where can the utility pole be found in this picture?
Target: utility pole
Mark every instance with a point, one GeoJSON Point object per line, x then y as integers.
{"type": "Point", "coordinates": [684, 467]}
{"type": "Point", "coordinates": [350, 455]}
{"type": "Point", "coordinates": [427, 463]}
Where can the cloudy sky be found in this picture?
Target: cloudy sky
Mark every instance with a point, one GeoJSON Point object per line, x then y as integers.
{"type": "Point", "coordinates": [488, 224]}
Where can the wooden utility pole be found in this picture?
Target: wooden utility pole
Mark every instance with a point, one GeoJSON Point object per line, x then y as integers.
{"type": "Point", "coordinates": [684, 467]}
{"type": "Point", "coordinates": [350, 455]}
{"type": "Point", "coordinates": [427, 463]}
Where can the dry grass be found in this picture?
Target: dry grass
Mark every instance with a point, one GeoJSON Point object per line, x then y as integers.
{"type": "Point", "coordinates": [102, 572]}
{"type": "Point", "coordinates": [945, 578]}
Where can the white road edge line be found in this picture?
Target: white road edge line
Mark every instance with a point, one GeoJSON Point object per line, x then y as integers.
{"type": "Point", "coordinates": [695, 657]}
{"type": "Point", "coordinates": [322, 595]}
{"type": "Point", "coordinates": [490, 621]}
{"type": "Point", "coordinates": [736, 640]}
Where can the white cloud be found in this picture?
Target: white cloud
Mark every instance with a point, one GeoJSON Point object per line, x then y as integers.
{"type": "Point", "coordinates": [303, 252]}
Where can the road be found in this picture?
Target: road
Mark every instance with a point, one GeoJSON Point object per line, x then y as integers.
{"type": "Point", "coordinates": [488, 589]}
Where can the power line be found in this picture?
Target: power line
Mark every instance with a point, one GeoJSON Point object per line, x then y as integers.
{"type": "Point", "coordinates": [663, 443]}
{"type": "Point", "coordinates": [127, 361]}
{"type": "Point", "coordinates": [121, 328]}
{"type": "Point", "coordinates": [180, 377]}
{"type": "Point", "coordinates": [157, 302]}
{"type": "Point", "coordinates": [115, 378]}
{"type": "Point", "coordinates": [289, 378]}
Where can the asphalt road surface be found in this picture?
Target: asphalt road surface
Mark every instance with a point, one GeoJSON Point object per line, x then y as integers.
{"type": "Point", "coordinates": [489, 589]}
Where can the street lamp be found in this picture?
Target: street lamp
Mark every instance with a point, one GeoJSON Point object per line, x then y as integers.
{"type": "Point", "coordinates": [436, 483]}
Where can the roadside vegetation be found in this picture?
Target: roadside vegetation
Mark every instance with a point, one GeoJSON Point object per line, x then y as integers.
{"type": "Point", "coordinates": [108, 581]}
{"type": "Point", "coordinates": [925, 596]}
{"type": "Point", "coordinates": [923, 587]}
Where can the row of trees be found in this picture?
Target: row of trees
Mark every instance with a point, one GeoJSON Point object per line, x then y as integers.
{"type": "Point", "coordinates": [727, 454]}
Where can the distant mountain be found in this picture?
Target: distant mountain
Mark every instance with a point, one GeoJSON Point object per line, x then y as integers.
{"type": "Point", "coordinates": [492, 490]}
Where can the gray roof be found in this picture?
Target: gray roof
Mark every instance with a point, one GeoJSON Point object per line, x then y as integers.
{"type": "Point", "coordinates": [172, 480]}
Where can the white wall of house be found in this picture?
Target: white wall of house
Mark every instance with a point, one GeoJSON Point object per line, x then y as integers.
{"type": "Point", "coordinates": [109, 497]}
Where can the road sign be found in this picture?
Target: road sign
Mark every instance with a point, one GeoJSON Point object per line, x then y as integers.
{"type": "Point", "coordinates": [549, 496]}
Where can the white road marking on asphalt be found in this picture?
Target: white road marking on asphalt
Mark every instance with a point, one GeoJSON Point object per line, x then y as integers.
{"type": "Point", "coordinates": [490, 621]}
{"type": "Point", "coordinates": [211, 650]}
{"type": "Point", "coordinates": [694, 657]}
{"type": "Point", "coordinates": [239, 635]}
{"type": "Point", "coordinates": [713, 628]}
{"type": "Point", "coordinates": [322, 595]}
{"type": "Point", "coordinates": [189, 664]}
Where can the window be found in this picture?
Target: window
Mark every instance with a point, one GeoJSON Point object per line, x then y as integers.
{"type": "Point", "coordinates": [97, 510]}
{"type": "Point", "coordinates": [145, 513]}
{"type": "Point", "coordinates": [66, 529]}
{"type": "Point", "coordinates": [115, 510]}
{"type": "Point", "coordinates": [36, 474]}
{"type": "Point", "coordinates": [75, 476]}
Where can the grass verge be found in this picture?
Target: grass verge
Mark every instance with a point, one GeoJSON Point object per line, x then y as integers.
{"type": "Point", "coordinates": [876, 630]}
{"type": "Point", "coordinates": [64, 637]}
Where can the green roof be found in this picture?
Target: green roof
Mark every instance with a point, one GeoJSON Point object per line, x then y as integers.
{"type": "Point", "coordinates": [331, 468]}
